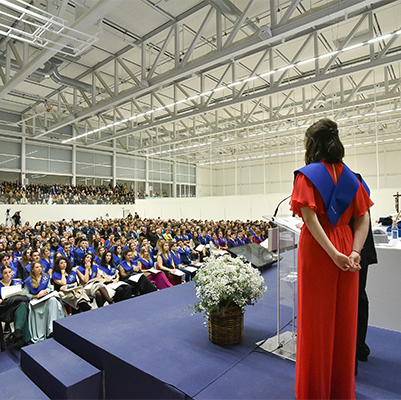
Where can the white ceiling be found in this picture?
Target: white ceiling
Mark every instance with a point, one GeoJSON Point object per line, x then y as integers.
{"type": "Point", "coordinates": [359, 87]}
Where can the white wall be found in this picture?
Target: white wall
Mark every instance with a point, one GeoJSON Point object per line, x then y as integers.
{"type": "Point", "coordinates": [218, 207]}
{"type": "Point", "coordinates": [242, 207]}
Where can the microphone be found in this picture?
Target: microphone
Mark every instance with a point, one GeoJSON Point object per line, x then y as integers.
{"type": "Point", "coordinates": [279, 204]}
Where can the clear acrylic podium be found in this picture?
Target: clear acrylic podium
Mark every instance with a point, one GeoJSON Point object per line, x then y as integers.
{"type": "Point", "coordinates": [284, 239]}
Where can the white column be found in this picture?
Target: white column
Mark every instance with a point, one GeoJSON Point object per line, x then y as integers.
{"type": "Point", "coordinates": [23, 161]}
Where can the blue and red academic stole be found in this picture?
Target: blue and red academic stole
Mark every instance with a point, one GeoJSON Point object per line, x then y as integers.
{"type": "Point", "coordinates": [336, 198]}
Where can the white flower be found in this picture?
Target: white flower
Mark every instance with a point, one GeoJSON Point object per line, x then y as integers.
{"type": "Point", "coordinates": [224, 281]}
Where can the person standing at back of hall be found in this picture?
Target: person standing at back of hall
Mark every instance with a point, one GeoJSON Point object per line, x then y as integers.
{"type": "Point", "coordinates": [326, 195]}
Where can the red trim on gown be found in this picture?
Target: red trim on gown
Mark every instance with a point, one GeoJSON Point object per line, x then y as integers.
{"type": "Point", "coordinates": [327, 300]}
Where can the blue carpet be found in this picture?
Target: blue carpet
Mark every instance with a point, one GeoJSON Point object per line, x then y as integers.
{"type": "Point", "coordinates": [149, 348]}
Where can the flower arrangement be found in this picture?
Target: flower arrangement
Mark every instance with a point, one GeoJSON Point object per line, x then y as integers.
{"type": "Point", "coordinates": [226, 282]}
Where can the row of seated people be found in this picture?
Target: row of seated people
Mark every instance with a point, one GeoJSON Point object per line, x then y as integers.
{"type": "Point", "coordinates": [133, 275]}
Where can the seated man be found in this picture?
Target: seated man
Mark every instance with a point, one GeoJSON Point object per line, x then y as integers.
{"type": "Point", "coordinates": [178, 262]}
{"type": "Point", "coordinates": [186, 254]}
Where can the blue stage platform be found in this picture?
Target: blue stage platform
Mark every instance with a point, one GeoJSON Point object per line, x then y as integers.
{"type": "Point", "coordinates": [149, 349]}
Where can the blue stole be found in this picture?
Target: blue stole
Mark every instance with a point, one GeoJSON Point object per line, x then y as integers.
{"type": "Point", "coordinates": [97, 260]}
{"type": "Point", "coordinates": [233, 242]}
{"type": "Point", "coordinates": [13, 283]}
{"type": "Point", "coordinates": [146, 264]}
{"type": "Point", "coordinates": [240, 242]}
{"type": "Point", "coordinates": [28, 268]}
{"type": "Point", "coordinates": [93, 271]}
{"type": "Point", "coordinates": [202, 240]}
{"type": "Point", "coordinates": [116, 259]}
{"type": "Point", "coordinates": [167, 263]}
{"type": "Point", "coordinates": [45, 264]}
{"type": "Point", "coordinates": [336, 198]}
{"type": "Point", "coordinates": [176, 258]}
{"type": "Point", "coordinates": [222, 241]}
{"type": "Point", "coordinates": [44, 281]}
{"type": "Point", "coordinates": [109, 270]}
{"type": "Point", "coordinates": [71, 277]}
{"type": "Point", "coordinates": [126, 267]}
{"type": "Point", "coordinates": [216, 244]}
{"type": "Point", "coordinates": [183, 250]}
{"type": "Point", "coordinates": [18, 256]}
{"type": "Point", "coordinates": [247, 241]}
{"type": "Point", "coordinates": [71, 256]}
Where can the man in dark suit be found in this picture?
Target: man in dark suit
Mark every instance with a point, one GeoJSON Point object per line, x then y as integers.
{"type": "Point", "coordinates": [368, 256]}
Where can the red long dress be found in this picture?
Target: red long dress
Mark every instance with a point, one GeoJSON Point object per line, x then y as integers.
{"type": "Point", "coordinates": [327, 300]}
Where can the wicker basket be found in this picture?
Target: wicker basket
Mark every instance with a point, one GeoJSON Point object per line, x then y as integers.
{"type": "Point", "coordinates": [226, 330]}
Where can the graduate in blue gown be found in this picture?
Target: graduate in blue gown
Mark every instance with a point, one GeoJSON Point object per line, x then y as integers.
{"type": "Point", "coordinates": [41, 315]}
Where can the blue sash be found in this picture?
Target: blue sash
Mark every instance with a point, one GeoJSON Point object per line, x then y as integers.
{"type": "Point", "coordinates": [45, 264]}
{"type": "Point", "coordinates": [336, 198]}
{"type": "Point", "coordinates": [233, 242]}
{"type": "Point", "coordinates": [222, 241]}
{"type": "Point", "coordinates": [216, 244]}
{"type": "Point", "coordinates": [176, 258]}
{"type": "Point", "coordinates": [71, 278]}
{"type": "Point", "coordinates": [108, 270]}
{"type": "Point", "coordinates": [167, 262]}
{"type": "Point", "coordinates": [126, 267]}
{"type": "Point", "coordinates": [44, 281]}
{"type": "Point", "coordinates": [117, 260]}
{"type": "Point", "coordinates": [13, 283]}
{"type": "Point", "coordinates": [146, 264]}
{"type": "Point", "coordinates": [93, 272]}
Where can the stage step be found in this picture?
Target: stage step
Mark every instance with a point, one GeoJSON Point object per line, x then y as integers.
{"type": "Point", "coordinates": [60, 373]}
{"type": "Point", "coordinates": [15, 385]}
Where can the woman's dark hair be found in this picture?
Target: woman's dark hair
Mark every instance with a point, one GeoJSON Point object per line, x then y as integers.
{"type": "Point", "coordinates": [115, 249]}
{"type": "Point", "coordinates": [322, 143]}
{"type": "Point", "coordinates": [56, 266]}
{"type": "Point", "coordinates": [83, 259]}
{"type": "Point", "coordinates": [4, 267]}
{"type": "Point", "coordinates": [103, 261]}
{"type": "Point", "coordinates": [125, 252]}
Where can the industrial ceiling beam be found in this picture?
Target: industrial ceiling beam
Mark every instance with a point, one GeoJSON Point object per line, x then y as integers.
{"type": "Point", "coordinates": [304, 25]}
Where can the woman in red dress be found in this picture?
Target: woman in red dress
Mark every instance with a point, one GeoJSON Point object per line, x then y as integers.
{"type": "Point", "coordinates": [328, 265]}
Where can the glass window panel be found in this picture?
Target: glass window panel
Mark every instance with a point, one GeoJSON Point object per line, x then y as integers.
{"type": "Point", "coordinates": [192, 170]}
{"type": "Point", "coordinates": [37, 151]}
{"type": "Point", "coordinates": [124, 173]}
{"type": "Point", "coordinates": [192, 179]}
{"type": "Point", "coordinates": [141, 164]}
{"type": "Point", "coordinates": [103, 170]}
{"type": "Point", "coordinates": [154, 175]}
{"type": "Point", "coordinates": [10, 161]}
{"type": "Point", "coordinates": [123, 162]}
{"type": "Point", "coordinates": [37, 165]}
{"type": "Point", "coordinates": [61, 167]}
{"type": "Point", "coordinates": [83, 156]}
{"type": "Point", "coordinates": [60, 154]}
{"type": "Point", "coordinates": [154, 165]}
{"type": "Point", "coordinates": [84, 169]}
{"type": "Point", "coordinates": [166, 190]}
{"type": "Point", "coordinates": [165, 167]}
{"type": "Point", "coordinates": [183, 178]}
{"type": "Point", "coordinates": [10, 148]}
{"type": "Point", "coordinates": [166, 176]}
{"type": "Point", "coordinates": [103, 159]}
{"type": "Point", "coordinates": [140, 174]}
